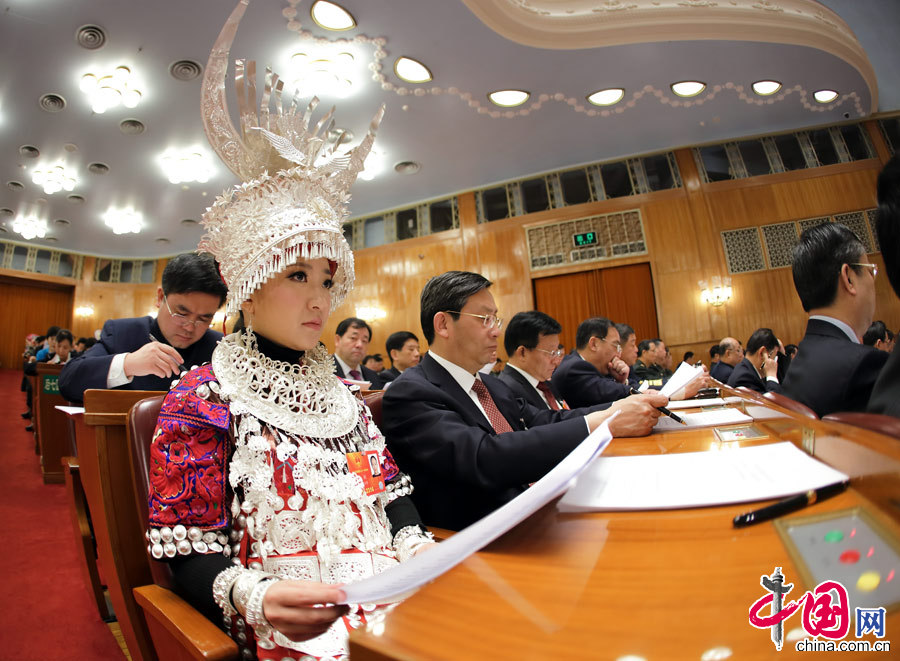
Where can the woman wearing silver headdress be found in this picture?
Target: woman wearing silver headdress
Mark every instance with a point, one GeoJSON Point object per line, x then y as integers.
{"type": "Point", "coordinates": [263, 496]}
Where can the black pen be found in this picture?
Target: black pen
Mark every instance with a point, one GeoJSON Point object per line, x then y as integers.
{"type": "Point", "coordinates": [789, 504]}
{"type": "Point", "coordinates": [661, 409]}
{"type": "Point", "coordinates": [181, 368]}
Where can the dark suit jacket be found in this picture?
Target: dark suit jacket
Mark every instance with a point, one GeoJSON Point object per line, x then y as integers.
{"type": "Point", "coordinates": [886, 393]}
{"type": "Point", "coordinates": [522, 388]}
{"type": "Point", "coordinates": [460, 467]}
{"type": "Point", "coordinates": [580, 384]}
{"type": "Point", "coordinates": [89, 370]}
{"type": "Point", "coordinates": [368, 375]}
{"type": "Point", "coordinates": [388, 375]}
{"type": "Point", "coordinates": [721, 371]}
{"type": "Point", "coordinates": [830, 373]}
{"type": "Point", "coordinates": [745, 374]}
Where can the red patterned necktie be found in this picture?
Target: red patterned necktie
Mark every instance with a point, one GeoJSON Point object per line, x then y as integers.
{"type": "Point", "coordinates": [498, 422]}
{"type": "Point", "coordinates": [548, 394]}
{"type": "Point", "coordinates": [355, 375]}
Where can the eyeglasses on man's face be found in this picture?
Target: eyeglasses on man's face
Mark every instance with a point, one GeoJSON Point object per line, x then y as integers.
{"type": "Point", "coordinates": [616, 345]}
{"type": "Point", "coordinates": [488, 320]}
{"type": "Point", "coordinates": [183, 320]}
{"type": "Point", "coordinates": [556, 353]}
{"type": "Point", "coordinates": [872, 267]}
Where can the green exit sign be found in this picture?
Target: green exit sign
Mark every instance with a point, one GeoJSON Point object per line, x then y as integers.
{"type": "Point", "coordinates": [51, 384]}
{"type": "Point", "coordinates": [585, 239]}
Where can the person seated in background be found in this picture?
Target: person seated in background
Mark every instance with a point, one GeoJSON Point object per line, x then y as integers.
{"type": "Point", "coordinates": [469, 444]}
{"type": "Point", "coordinates": [629, 352]}
{"type": "Point", "coordinates": [758, 369]}
{"type": "Point", "coordinates": [666, 364]}
{"type": "Point", "coordinates": [403, 350]}
{"type": "Point", "coordinates": [46, 352]}
{"type": "Point", "coordinates": [833, 370]}
{"type": "Point", "coordinates": [647, 367]}
{"type": "Point", "coordinates": [375, 362]}
{"type": "Point", "coordinates": [82, 344]}
{"type": "Point", "coordinates": [594, 373]}
{"type": "Point", "coordinates": [885, 397]}
{"type": "Point", "coordinates": [496, 368]}
{"type": "Point", "coordinates": [532, 344]}
{"type": "Point", "coordinates": [790, 351]}
{"type": "Point", "coordinates": [877, 336]}
{"type": "Point", "coordinates": [351, 341]}
{"type": "Point", "coordinates": [144, 353]}
{"type": "Point", "coordinates": [890, 335]}
{"type": "Point", "coordinates": [64, 342]}
{"type": "Point", "coordinates": [713, 357]}
{"type": "Point", "coordinates": [730, 354]}
{"type": "Point", "coordinates": [688, 358]}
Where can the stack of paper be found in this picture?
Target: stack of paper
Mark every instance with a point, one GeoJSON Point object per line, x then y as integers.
{"type": "Point", "coordinates": [684, 375]}
{"type": "Point", "coordinates": [728, 416]}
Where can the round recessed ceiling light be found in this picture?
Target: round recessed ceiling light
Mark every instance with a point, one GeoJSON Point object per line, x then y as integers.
{"type": "Point", "coordinates": [330, 16]}
{"type": "Point", "coordinates": [163, 241]}
{"type": "Point", "coordinates": [407, 167]}
{"type": "Point", "coordinates": [75, 199]}
{"type": "Point", "coordinates": [131, 126]}
{"type": "Point", "coordinates": [15, 185]}
{"type": "Point", "coordinates": [70, 147]}
{"type": "Point", "coordinates": [508, 98]}
{"type": "Point", "coordinates": [825, 96]}
{"type": "Point", "coordinates": [688, 88]}
{"type": "Point", "coordinates": [185, 70]}
{"type": "Point", "coordinates": [189, 222]}
{"type": "Point", "coordinates": [766, 87]}
{"type": "Point", "coordinates": [607, 97]}
{"type": "Point", "coordinates": [62, 221]}
{"type": "Point", "coordinates": [51, 239]}
{"type": "Point", "coordinates": [98, 168]}
{"type": "Point", "coordinates": [52, 102]}
{"type": "Point", "coordinates": [90, 37]}
{"type": "Point", "coordinates": [411, 71]}
{"type": "Point", "coordinates": [29, 151]}
{"type": "Point", "coordinates": [5, 211]}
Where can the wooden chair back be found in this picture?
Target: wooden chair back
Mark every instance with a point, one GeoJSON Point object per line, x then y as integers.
{"type": "Point", "coordinates": [791, 405]}
{"type": "Point", "coordinates": [52, 426]}
{"type": "Point", "coordinates": [373, 399]}
{"type": "Point", "coordinates": [883, 424]}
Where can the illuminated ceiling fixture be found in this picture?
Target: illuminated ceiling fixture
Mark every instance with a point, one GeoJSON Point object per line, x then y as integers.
{"type": "Point", "coordinates": [688, 88]}
{"type": "Point", "coordinates": [54, 179]}
{"type": "Point", "coordinates": [330, 16]}
{"type": "Point", "coordinates": [376, 163]}
{"type": "Point", "coordinates": [607, 97]}
{"type": "Point", "coordinates": [766, 87]}
{"type": "Point", "coordinates": [825, 96]}
{"type": "Point", "coordinates": [110, 90]}
{"type": "Point", "coordinates": [30, 227]}
{"type": "Point", "coordinates": [123, 221]}
{"type": "Point", "coordinates": [411, 71]}
{"type": "Point", "coordinates": [717, 292]}
{"type": "Point", "coordinates": [321, 74]}
{"type": "Point", "coordinates": [181, 165]}
{"type": "Point", "coordinates": [508, 98]}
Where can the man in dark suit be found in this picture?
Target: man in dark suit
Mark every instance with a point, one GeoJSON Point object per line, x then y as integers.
{"type": "Point", "coordinates": [467, 442]}
{"type": "Point", "coordinates": [146, 353]}
{"type": "Point", "coordinates": [886, 393]}
{"type": "Point", "coordinates": [730, 354]}
{"type": "Point", "coordinates": [594, 373]}
{"type": "Point", "coordinates": [351, 342]}
{"type": "Point", "coordinates": [760, 362]}
{"type": "Point", "coordinates": [833, 370]}
{"type": "Point", "coordinates": [403, 350]}
{"type": "Point", "coordinates": [532, 344]}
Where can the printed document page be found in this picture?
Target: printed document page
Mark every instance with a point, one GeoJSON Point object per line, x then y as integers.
{"type": "Point", "coordinates": [729, 416]}
{"type": "Point", "coordinates": [697, 479]}
{"type": "Point", "coordinates": [398, 581]}
{"type": "Point", "coordinates": [674, 387]}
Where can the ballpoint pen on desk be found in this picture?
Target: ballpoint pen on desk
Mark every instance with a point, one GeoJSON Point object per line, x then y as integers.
{"type": "Point", "coordinates": [181, 368]}
{"type": "Point", "coordinates": [789, 504]}
{"type": "Point", "coordinates": [662, 409]}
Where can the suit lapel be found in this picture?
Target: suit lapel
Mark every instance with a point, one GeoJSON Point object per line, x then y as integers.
{"type": "Point", "coordinates": [441, 378]}
{"type": "Point", "coordinates": [531, 395]}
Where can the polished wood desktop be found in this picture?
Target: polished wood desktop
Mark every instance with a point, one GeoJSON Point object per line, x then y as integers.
{"type": "Point", "coordinates": [667, 584]}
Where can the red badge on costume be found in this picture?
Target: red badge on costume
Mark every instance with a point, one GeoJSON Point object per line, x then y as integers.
{"type": "Point", "coordinates": [368, 466]}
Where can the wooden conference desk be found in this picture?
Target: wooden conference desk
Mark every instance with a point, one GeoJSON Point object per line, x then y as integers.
{"type": "Point", "coordinates": [658, 585]}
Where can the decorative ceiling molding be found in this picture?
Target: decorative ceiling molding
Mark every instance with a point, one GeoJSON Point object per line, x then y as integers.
{"type": "Point", "coordinates": [576, 24]}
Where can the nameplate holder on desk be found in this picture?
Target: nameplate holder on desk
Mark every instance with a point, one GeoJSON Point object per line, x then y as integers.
{"type": "Point", "coordinates": [808, 440]}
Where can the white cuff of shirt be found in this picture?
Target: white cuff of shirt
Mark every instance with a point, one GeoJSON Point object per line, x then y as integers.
{"type": "Point", "coordinates": [116, 376]}
{"type": "Point", "coordinates": [772, 378]}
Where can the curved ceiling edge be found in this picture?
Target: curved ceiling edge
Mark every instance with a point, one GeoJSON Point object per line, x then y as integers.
{"type": "Point", "coordinates": [577, 24]}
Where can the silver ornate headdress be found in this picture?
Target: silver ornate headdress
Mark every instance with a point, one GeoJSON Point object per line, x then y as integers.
{"type": "Point", "coordinates": [265, 224]}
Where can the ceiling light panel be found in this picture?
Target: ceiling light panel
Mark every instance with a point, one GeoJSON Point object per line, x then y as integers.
{"type": "Point", "coordinates": [688, 88]}
{"type": "Point", "coordinates": [411, 71]}
{"type": "Point", "coordinates": [123, 221]}
{"type": "Point", "coordinates": [30, 227]}
{"type": "Point", "coordinates": [106, 89]}
{"type": "Point", "coordinates": [186, 165]}
{"type": "Point", "coordinates": [607, 97]}
{"type": "Point", "coordinates": [508, 98]}
{"type": "Point", "coordinates": [54, 178]}
{"type": "Point", "coordinates": [825, 96]}
{"type": "Point", "coordinates": [766, 87]}
{"type": "Point", "coordinates": [325, 69]}
{"type": "Point", "coordinates": [376, 164]}
{"type": "Point", "coordinates": [331, 16]}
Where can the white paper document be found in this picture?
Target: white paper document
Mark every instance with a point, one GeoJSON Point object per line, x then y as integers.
{"type": "Point", "coordinates": [676, 404]}
{"type": "Point", "coordinates": [697, 479]}
{"type": "Point", "coordinates": [398, 581]}
{"type": "Point", "coordinates": [70, 410]}
{"type": "Point", "coordinates": [729, 416]}
{"type": "Point", "coordinates": [684, 375]}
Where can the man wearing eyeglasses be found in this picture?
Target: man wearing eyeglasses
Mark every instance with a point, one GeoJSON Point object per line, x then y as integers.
{"type": "Point", "coordinates": [730, 354]}
{"type": "Point", "coordinates": [833, 371]}
{"type": "Point", "coordinates": [532, 344]}
{"type": "Point", "coordinates": [468, 443]}
{"type": "Point", "coordinates": [758, 369]}
{"type": "Point", "coordinates": [145, 353]}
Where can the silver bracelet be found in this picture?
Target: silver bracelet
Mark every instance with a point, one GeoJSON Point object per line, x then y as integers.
{"type": "Point", "coordinates": [254, 614]}
{"type": "Point", "coordinates": [225, 579]}
{"type": "Point", "coordinates": [410, 539]}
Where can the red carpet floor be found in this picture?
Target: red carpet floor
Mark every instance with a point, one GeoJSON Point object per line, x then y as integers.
{"type": "Point", "coordinates": [47, 610]}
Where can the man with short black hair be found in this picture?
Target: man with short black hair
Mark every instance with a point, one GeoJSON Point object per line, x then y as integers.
{"type": "Point", "coordinates": [351, 341]}
{"type": "Point", "coordinates": [468, 443]}
{"type": "Point", "coordinates": [63, 347]}
{"type": "Point", "coordinates": [833, 370]}
{"type": "Point", "coordinates": [730, 354]}
{"type": "Point", "coordinates": [374, 362]}
{"type": "Point", "coordinates": [758, 369]}
{"type": "Point", "coordinates": [594, 373]}
{"type": "Point", "coordinates": [713, 357]}
{"type": "Point", "coordinates": [532, 344]}
{"type": "Point", "coordinates": [647, 367]}
{"type": "Point", "coordinates": [403, 350]}
{"type": "Point", "coordinates": [629, 352]}
{"type": "Point", "coordinates": [877, 336]}
{"type": "Point", "coordinates": [144, 353]}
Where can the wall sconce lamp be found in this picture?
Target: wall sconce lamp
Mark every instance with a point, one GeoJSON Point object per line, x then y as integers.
{"type": "Point", "coordinates": [84, 311]}
{"type": "Point", "coordinates": [370, 313]}
{"type": "Point", "coordinates": [717, 292]}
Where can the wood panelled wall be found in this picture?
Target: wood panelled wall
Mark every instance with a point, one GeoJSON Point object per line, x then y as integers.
{"type": "Point", "coordinates": [684, 246]}
{"type": "Point", "coordinates": [30, 305]}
